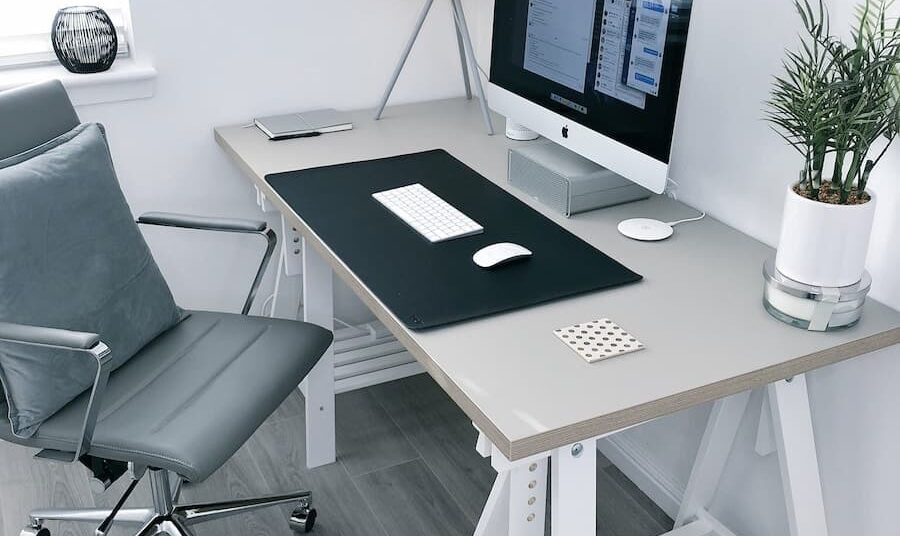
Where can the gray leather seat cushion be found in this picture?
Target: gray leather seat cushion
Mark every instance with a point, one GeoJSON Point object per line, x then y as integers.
{"type": "Point", "coordinates": [193, 396]}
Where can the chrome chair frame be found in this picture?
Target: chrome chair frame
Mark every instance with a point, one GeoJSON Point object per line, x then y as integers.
{"type": "Point", "coordinates": [182, 221]}
{"type": "Point", "coordinates": [165, 516]}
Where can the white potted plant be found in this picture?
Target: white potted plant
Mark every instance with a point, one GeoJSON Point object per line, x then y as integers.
{"type": "Point", "coordinates": [837, 104]}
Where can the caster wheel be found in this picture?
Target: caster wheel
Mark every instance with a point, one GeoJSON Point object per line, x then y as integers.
{"type": "Point", "coordinates": [34, 531]}
{"type": "Point", "coordinates": [302, 520]}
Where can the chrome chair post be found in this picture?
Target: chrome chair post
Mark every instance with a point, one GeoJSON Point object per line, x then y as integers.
{"type": "Point", "coordinates": [161, 491]}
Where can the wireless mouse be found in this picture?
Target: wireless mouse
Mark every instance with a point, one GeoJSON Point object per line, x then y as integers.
{"type": "Point", "coordinates": [499, 254]}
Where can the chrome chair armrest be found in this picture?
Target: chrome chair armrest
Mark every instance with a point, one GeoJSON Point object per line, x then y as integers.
{"type": "Point", "coordinates": [228, 225]}
{"type": "Point", "coordinates": [189, 221]}
{"type": "Point", "coordinates": [89, 343]}
{"type": "Point", "coordinates": [37, 335]}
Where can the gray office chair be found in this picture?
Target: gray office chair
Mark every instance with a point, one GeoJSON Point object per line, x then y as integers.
{"type": "Point", "coordinates": [185, 402]}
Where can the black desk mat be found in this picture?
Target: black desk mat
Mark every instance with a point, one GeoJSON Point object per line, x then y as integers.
{"type": "Point", "coordinates": [427, 285]}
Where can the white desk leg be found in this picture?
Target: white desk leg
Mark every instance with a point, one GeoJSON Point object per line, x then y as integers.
{"type": "Point", "coordinates": [573, 493]}
{"type": "Point", "coordinates": [796, 446]}
{"type": "Point", "coordinates": [715, 447]}
{"type": "Point", "coordinates": [528, 498]}
{"type": "Point", "coordinates": [494, 519]}
{"type": "Point", "coordinates": [318, 308]}
{"type": "Point", "coordinates": [517, 504]}
{"type": "Point", "coordinates": [286, 303]}
{"type": "Point", "coordinates": [794, 440]}
{"type": "Point", "coordinates": [765, 438]}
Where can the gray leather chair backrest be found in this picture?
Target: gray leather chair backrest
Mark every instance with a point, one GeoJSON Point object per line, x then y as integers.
{"type": "Point", "coordinates": [34, 114]}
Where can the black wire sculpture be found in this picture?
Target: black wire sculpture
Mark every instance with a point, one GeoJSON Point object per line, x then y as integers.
{"type": "Point", "coordinates": [84, 39]}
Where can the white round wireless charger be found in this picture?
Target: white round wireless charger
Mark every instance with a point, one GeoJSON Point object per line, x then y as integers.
{"type": "Point", "coordinates": [646, 230]}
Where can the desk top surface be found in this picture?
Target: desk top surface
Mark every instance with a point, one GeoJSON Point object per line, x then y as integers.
{"type": "Point", "coordinates": [698, 311]}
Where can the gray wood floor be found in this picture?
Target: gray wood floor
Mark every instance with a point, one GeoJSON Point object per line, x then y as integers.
{"type": "Point", "coordinates": [407, 466]}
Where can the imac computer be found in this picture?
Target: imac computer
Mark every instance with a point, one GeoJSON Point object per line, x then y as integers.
{"type": "Point", "coordinates": [599, 77]}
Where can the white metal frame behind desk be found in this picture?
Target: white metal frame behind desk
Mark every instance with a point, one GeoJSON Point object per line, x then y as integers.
{"type": "Point", "coordinates": [698, 311]}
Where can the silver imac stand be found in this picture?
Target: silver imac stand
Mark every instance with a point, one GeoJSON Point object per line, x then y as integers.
{"type": "Point", "coordinates": [466, 57]}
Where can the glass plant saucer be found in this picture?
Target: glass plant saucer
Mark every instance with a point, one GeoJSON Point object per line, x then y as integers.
{"type": "Point", "coordinates": [810, 307]}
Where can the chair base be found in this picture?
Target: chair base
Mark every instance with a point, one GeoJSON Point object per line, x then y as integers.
{"type": "Point", "coordinates": [165, 518]}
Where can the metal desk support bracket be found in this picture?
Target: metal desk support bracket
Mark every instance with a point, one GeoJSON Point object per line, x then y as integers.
{"type": "Point", "coordinates": [466, 57]}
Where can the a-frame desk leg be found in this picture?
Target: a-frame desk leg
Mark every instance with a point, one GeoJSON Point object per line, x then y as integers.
{"type": "Point", "coordinates": [518, 500]}
{"type": "Point", "coordinates": [318, 308]}
{"type": "Point", "coordinates": [792, 437]}
{"type": "Point", "coordinates": [298, 258]}
{"type": "Point", "coordinates": [517, 503]}
{"type": "Point", "coordinates": [716, 445]}
{"type": "Point", "coordinates": [796, 446]}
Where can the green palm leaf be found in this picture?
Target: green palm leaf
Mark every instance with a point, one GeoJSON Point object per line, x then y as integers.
{"type": "Point", "coordinates": [840, 97]}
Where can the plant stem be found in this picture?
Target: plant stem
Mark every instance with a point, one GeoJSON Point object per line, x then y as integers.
{"type": "Point", "coordinates": [819, 152]}
{"type": "Point", "coordinates": [816, 182]}
{"type": "Point", "coordinates": [806, 172]}
{"type": "Point", "coordinates": [852, 174]}
{"type": "Point", "coordinates": [838, 174]}
{"type": "Point", "coordinates": [864, 180]}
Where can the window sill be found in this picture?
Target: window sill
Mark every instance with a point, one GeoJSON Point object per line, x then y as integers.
{"type": "Point", "coordinates": [126, 80]}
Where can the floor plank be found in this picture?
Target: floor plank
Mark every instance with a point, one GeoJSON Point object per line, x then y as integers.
{"type": "Point", "coordinates": [33, 484]}
{"type": "Point", "coordinates": [408, 500]}
{"type": "Point", "coordinates": [409, 448]}
{"type": "Point", "coordinates": [240, 478]}
{"type": "Point", "coordinates": [291, 408]}
{"type": "Point", "coordinates": [622, 510]}
{"type": "Point", "coordinates": [140, 498]}
{"type": "Point", "coordinates": [280, 452]}
{"type": "Point", "coordinates": [16, 461]}
{"type": "Point", "coordinates": [367, 438]}
{"type": "Point", "coordinates": [443, 436]}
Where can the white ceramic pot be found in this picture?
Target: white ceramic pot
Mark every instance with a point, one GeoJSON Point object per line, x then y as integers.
{"type": "Point", "coordinates": [822, 244]}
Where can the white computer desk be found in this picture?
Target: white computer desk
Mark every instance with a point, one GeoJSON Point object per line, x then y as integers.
{"type": "Point", "coordinates": [699, 312]}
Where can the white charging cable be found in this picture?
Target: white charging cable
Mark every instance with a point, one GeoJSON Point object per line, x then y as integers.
{"type": "Point", "coordinates": [686, 220]}
{"type": "Point", "coordinates": [673, 193]}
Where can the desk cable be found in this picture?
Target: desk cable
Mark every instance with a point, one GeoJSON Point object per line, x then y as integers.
{"type": "Point", "coordinates": [686, 220]}
{"type": "Point", "coordinates": [672, 192]}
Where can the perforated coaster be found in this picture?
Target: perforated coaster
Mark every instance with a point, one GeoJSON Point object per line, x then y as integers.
{"type": "Point", "coordinates": [598, 339]}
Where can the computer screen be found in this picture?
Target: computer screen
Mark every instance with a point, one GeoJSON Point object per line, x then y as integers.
{"type": "Point", "coordinates": [614, 66]}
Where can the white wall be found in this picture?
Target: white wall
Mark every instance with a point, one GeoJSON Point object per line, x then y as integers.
{"type": "Point", "coordinates": [729, 163]}
{"type": "Point", "coordinates": [224, 62]}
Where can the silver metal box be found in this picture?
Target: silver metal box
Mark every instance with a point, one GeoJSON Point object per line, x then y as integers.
{"type": "Point", "coordinates": [566, 181]}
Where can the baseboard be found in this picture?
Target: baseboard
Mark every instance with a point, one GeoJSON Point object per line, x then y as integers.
{"type": "Point", "coordinates": [639, 467]}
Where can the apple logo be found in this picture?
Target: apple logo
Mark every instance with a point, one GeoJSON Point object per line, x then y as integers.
{"type": "Point", "coordinates": [565, 132]}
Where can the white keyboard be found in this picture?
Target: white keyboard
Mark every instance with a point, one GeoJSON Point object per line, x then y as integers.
{"type": "Point", "coordinates": [431, 216]}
